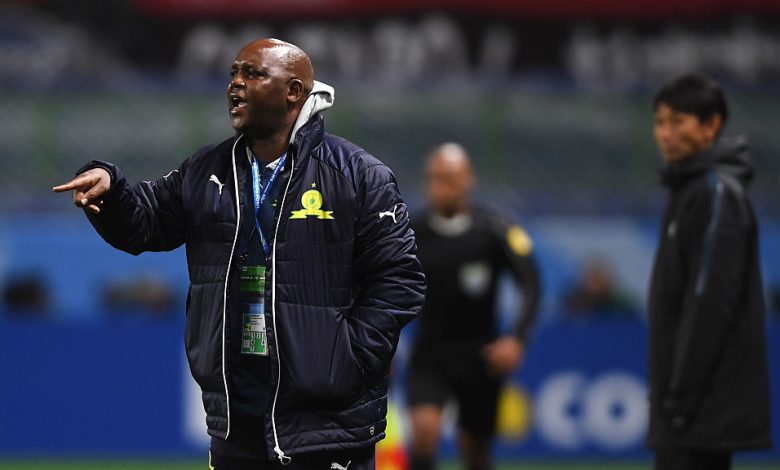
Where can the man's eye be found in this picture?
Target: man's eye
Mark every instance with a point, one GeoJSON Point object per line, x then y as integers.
{"type": "Point", "coordinates": [233, 73]}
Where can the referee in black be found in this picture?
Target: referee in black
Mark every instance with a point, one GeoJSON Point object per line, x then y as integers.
{"type": "Point", "coordinates": [458, 352]}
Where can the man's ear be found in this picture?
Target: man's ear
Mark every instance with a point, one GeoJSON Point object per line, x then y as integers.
{"type": "Point", "coordinates": [712, 126]}
{"type": "Point", "coordinates": [295, 91]}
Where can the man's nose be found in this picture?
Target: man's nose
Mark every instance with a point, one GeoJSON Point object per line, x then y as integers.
{"type": "Point", "coordinates": [662, 132]}
{"type": "Point", "coordinates": [237, 81]}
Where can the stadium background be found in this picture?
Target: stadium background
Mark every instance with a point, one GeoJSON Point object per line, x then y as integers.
{"type": "Point", "coordinates": [551, 99]}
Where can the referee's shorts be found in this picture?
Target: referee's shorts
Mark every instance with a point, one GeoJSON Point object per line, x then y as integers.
{"type": "Point", "coordinates": [474, 392]}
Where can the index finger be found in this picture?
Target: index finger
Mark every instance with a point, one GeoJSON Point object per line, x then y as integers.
{"type": "Point", "coordinates": [72, 184]}
{"type": "Point", "coordinates": [64, 187]}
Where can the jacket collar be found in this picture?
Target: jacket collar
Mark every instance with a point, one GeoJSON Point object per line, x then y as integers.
{"type": "Point", "coordinates": [307, 139]}
{"type": "Point", "coordinates": [320, 98]}
{"type": "Point", "coordinates": [729, 155]}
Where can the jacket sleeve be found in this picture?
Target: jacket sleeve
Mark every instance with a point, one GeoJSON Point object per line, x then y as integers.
{"type": "Point", "coordinates": [517, 250]}
{"type": "Point", "coordinates": [390, 277]}
{"type": "Point", "coordinates": [145, 217]}
{"type": "Point", "coordinates": [715, 231]}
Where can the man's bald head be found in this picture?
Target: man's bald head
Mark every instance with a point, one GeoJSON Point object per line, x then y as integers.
{"type": "Point", "coordinates": [287, 56]}
{"type": "Point", "coordinates": [451, 156]}
{"type": "Point", "coordinates": [449, 179]}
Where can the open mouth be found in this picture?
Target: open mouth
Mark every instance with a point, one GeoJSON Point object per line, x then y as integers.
{"type": "Point", "coordinates": [236, 103]}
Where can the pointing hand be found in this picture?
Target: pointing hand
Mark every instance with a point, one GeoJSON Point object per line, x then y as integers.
{"type": "Point", "coordinates": [88, 187]}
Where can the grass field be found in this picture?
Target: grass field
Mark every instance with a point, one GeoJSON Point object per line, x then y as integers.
{"type": "Point", "coordinates": [93, 464]}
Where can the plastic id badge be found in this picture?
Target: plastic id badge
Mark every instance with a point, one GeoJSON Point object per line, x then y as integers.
{"type": "Point", "coordinates": [254, 339]}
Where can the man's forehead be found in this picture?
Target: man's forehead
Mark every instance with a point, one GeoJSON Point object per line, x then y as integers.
{"type": "Point", "coordinates": [449, 156]}
{"type": "Point", "coordinates": [265, 49]}
{"type": "Point", "coordinates": [442, 167]}
{"type": "Point", "coordinates": [668, 109]}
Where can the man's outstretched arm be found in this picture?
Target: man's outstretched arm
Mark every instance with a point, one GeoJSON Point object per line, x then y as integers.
{"type": "Point", "coordinates": [144, 217]}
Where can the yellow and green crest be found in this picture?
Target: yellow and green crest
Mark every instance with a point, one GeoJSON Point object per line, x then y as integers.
{"type": "Point", "coordinates": [312, 202]}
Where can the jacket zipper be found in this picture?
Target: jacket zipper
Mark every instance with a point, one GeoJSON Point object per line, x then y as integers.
{"type": "Point", "coordinates": [283, 459]}
{"type": "Point", "coordinates": [227, 278]}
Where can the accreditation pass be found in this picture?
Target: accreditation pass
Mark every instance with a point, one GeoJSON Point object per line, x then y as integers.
{"type": "Point", "coordinates": [254, 339]}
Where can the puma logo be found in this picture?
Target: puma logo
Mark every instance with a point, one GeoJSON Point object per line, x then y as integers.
{"type": "Point", "coordinates": [389, 214]}
{"type": "Point", "coordinates": [214, 179]}
{"type": "Point", "coordinates": [337, 466]}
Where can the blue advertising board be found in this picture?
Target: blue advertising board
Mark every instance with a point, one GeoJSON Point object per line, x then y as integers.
{"type": "Point", "coordinates": [122, 387]}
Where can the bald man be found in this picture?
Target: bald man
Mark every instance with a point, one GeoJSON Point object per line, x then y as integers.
{"type": "Point", "coordinates": [458, 353]}
{"type": "Point", "coordinates": [300, 282]}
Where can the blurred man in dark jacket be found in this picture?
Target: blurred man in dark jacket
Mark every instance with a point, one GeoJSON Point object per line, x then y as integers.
{"type": "Point", "coordinates": [708, 379]}
{"type": "Point", "coordinates": [300, 282]}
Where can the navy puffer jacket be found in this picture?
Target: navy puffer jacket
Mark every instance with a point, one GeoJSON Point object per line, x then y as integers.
{"type": "Point", "coordinates": [341, 287]}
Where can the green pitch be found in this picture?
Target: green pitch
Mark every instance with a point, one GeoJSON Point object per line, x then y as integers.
{"type": "Point", "coordinates": [160, 464]}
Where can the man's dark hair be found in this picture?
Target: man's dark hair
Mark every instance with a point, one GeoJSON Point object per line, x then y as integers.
{"type": "Point", "coordinates": [694, 93]}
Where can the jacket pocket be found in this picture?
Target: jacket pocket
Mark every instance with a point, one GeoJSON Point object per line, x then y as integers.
{"type": "Point", "coordinates": [203, 336]}
{"type": "Point", "coordinates": [317, 362]}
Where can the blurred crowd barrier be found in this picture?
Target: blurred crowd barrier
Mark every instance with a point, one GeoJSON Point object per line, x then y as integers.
{"type": "Point", "coordinates": [539, 151]}
{"type": "Point", "coordinates": [57, 267]}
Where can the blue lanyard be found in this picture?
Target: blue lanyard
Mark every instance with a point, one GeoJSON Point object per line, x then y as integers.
{"type": "Point", "coordinates": [261, 193]}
